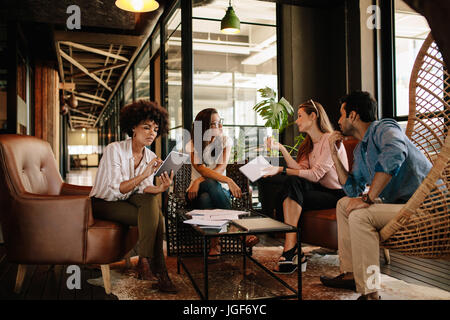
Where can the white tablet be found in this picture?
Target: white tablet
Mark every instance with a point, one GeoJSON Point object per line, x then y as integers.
{"type": "Point", "coordinates": [174, 161]}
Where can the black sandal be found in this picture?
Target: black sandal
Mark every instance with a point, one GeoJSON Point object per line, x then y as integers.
{"type": "Point", "coordinates": [290, 264]}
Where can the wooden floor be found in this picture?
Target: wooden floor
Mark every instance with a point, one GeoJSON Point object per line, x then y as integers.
{"type": "Point", "coordinates": [428, 272]}
{"type": "Point", "coordinates": [49, 282]}
{"type": "Point", "coordinates": [45, 282]}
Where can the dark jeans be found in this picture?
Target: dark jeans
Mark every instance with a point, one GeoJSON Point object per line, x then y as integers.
{"type": "Point", "coordinates": [211, 195]}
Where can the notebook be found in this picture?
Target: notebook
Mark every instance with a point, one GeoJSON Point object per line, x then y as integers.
{"type": "Point", "coordinates": [262, 224]}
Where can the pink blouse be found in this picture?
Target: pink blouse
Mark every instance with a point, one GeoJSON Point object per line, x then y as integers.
{"type": "Point", "coordinates": [319, 167]}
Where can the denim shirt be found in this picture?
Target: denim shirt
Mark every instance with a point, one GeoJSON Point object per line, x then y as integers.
{"type": "Point", "coordinates": [385, 148]}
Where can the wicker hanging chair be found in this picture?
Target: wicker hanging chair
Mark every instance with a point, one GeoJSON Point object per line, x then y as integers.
{"type": "Point", "coordinates": [422, 227]}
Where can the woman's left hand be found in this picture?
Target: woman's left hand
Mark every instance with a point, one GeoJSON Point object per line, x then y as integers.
{"type": "Point", "coordinates": [166, 180]}
{"type": "Point", "coordinates": [271, 171]}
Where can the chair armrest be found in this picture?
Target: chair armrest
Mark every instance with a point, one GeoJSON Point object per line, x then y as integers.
{"type": "Point", "coordinates": [63, 209]}
{"type": "Point", "coordinates": [43, 229]}
{"type": "Point", "coordinates": [71, 189]}
{"type": "Point", "coordinates": [175, 201]}
{"type": "Point", "coordinates": [242, 203]}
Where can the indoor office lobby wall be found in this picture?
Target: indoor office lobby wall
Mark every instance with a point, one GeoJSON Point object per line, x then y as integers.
{"type": "Point", "coordinates": [85, 138]}
{"type": "Point", "coordinates": [314, 58]}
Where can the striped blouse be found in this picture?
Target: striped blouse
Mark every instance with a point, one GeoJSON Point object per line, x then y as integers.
{"type": "Point", "coordinates": [117, 166]}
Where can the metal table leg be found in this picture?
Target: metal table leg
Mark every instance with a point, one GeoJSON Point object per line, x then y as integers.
{"type": "Point", "coordinates": [205, 266]}
{"type": "Point", "coordinates": [244, 254]}
{"type": "Point", "coordinates": [299, 269]}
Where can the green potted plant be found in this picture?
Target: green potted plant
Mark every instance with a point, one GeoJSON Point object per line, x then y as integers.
{"type": "Point", "coordinates": [276, 113]}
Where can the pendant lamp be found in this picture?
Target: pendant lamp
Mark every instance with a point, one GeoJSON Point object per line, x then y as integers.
{"type": "Point", "coordinates": [230, 23]}
{"type": "Point", "coordinates": [137, 5]}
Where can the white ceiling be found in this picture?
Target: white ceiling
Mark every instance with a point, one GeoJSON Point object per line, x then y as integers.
{"type": "Point", "coordinates": [246, 10]}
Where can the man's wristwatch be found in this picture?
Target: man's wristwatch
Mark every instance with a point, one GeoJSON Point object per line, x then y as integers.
{"type": "Point", "coordinates": [365, 198]}
{"type": "Point", "coordinates": [284, 171]}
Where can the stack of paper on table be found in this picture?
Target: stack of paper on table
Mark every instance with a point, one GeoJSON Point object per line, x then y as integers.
{"type": "Point", "coordinates": [213, 218]}
{"type": "Point", "coordinates": [207, 223]}
{"type": "Point", "coordinates": [254, 169]}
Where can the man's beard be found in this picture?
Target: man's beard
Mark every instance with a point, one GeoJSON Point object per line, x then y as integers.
{"type": "Point", "coordinates": [348, 131]}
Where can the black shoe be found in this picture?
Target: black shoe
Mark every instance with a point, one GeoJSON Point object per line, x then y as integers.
{"type": "Point", "coordinates": [338, 282]}
{"type": "Point", "coordinates": [290, 262]}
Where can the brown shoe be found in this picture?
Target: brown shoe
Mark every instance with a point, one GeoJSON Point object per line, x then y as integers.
{"type": "Point", "coordinates": [164, 283]}
{"type": "Point", "coordinates": [214, 252]}
{"type": "Point", "coordinates": [143, 269]}
{"type": "Point", "coordinates": [338, 282]}
{"type": "Point", "coordinates": [251, 241]}
{"type": "Point", "coordinates": [370, 296]}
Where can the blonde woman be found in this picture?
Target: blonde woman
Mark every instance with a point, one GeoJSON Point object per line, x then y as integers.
{"type": "Point", "coordinates": [312, 181]}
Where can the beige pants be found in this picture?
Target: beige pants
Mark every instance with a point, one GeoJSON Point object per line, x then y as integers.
{"type": "Point", "coordinates": [359, 241]}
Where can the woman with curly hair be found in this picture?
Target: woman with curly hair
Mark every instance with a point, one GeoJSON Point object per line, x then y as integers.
{"type": "Point", "coordinates": [124, 189]}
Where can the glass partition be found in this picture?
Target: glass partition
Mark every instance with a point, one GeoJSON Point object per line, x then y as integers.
{"type": "Point", "coordinates": [411, 29]}
{"type": "Point", "coordinates": [173, 54]}
{"type": "Point", "coordinates": [229, 69]}
{"type": "Point", "coordinates": [142, 74]}
{"type": "Point", "coordinates": [128, 88]}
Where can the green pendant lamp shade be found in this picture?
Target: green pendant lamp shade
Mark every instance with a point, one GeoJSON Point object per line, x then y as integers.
{"type": "Point", "coordinates": [230, 23]}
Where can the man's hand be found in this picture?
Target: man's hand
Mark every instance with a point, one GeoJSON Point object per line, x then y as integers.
{"type": "Point", "coordinates": [335, 141]}
{"type": "Point", "coordinates": [355, 203]}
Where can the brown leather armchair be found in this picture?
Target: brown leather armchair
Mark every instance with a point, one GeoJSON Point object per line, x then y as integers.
{"type": "Point", "coordinates": [46, 221]}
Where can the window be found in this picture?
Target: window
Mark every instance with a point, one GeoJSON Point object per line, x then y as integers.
{"type": "Point", "coordinates": [229, 69]}
{"type": "Point", "coordinates": [128, 88]}
{"type": "Point", "coordinates": [172, 49]}
{"type": "Point", "coordinates": [142, 74]}
{"type": "Point", "coordinates": [156, 41]}
{"type": "Point", "coordinates": [411, 29]}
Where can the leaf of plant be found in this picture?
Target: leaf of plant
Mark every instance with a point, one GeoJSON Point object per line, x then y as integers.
{"type": "Point", "coordinates": [287, 106]}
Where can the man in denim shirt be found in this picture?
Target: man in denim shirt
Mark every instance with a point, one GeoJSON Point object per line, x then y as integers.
{"type": "Point", "coordinates": [394, 168]}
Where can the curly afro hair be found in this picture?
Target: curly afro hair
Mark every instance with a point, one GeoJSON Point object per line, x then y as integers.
{"type": "Point", "coordinates": [134, 113]}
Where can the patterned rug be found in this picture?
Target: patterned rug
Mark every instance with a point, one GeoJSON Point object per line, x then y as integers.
{"type": "Point", "coordinates": [226, 281]}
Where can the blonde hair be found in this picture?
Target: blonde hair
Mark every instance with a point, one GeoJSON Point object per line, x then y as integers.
{"type": "Point", "coordinates": [322, 120]}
